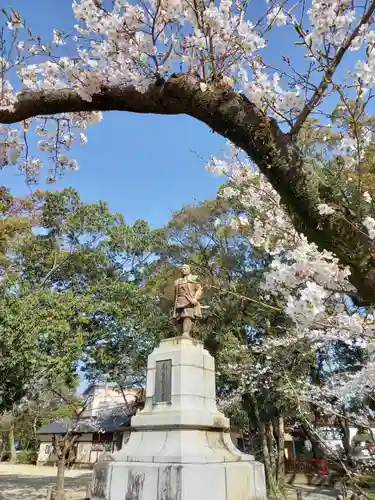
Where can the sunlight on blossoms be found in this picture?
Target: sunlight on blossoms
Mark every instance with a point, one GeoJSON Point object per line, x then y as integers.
{"type": "Point", "coordinates": [369, 224]}
{"type": "Point", "coordinates": [311, 283]}
{"type": "Point", "coordinates": [138, 44]}
{"type": "Point", "coordinates": [325, 209]}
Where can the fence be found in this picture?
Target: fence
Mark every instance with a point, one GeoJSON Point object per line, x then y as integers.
{"type": "Point", "coordinates": [306, 466]}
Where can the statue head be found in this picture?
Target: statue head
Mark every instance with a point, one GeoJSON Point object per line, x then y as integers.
{"type": "Point", "coordinates": [185, 270]}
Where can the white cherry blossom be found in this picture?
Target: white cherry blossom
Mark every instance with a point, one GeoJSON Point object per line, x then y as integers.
{"type": "Point", "coordinates": [325, 209]}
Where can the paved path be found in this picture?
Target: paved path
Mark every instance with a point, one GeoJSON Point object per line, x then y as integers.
{"type": "Point", "coordinates": [317, 492]}
{"type": "Point", "coordinates": [29, 482]}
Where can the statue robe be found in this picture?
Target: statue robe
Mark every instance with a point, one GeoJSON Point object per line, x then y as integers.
{"type": "Point", "coordinates": [185, 292]}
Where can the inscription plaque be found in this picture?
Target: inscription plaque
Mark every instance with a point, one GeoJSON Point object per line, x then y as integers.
{"type": "Point", "coordinates": [163, 381]}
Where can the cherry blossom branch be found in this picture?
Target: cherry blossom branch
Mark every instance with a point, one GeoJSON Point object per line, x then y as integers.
{"type": "Point", "coordinates": [232, 115]}
{"type": "Point", "coordinates": [327, 78]}
{"type": "Point", "coordinates": [264, 305]}
{"type": "Point", "coordinates": [313, 431]}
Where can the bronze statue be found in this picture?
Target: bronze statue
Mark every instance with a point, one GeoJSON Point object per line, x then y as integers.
{"type": "Point", "coordinates": [186, 302]}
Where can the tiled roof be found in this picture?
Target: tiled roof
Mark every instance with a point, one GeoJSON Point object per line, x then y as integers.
{"type": "Point", "coordinates": [109, 423]}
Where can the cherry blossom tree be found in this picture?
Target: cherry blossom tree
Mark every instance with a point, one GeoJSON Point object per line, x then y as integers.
{"type": "Point", "coordinates": [212, 60]}
{"type": "Point", "coordinates": [209, 60]}
{"type": "Point", "coordinates": [312, 289]}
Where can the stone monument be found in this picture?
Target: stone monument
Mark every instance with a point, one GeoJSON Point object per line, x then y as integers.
{"type": "Point", "coordinates": [180, 446]}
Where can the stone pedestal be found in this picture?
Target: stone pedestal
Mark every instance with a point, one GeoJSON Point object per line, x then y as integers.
{"type": "Point", "coordinates": [180, 447]}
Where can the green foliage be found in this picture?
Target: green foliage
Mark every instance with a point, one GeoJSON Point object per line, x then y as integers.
{"type": "Point", "coordinates": [56, 410]}
{"type": "Point", "coordinates": [27, 457]}
{"type": "Point", "coordinates": [75, 290]}
{"type": "Point", "coordinates": [39, 341]}
{"type": "Point", "coordinates": [342, 185]}
{"type": "Point", "coordinates": [366, 482]}
{"type": "Point", "coordinates": [16, 217]}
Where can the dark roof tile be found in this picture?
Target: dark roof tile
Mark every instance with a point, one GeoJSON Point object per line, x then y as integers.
{"type": "Point", "coordinates": [109, 423]}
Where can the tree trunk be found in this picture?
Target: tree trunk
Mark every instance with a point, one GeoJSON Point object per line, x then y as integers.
{"type": "Point", "coordinates": [280, 465]}
{"type": "Point", "coordinates": [12, 447]}
{"type": "Point", "coordinates": [60, 492]}
{"type": "Point", "coordinates": [267, 460]}
{"type": "Point", "coordinates": [346, 439]}
{"type": "Point", "coordinates": [253, 410]}
{"type": "Point", "coordinates": [271, 447]}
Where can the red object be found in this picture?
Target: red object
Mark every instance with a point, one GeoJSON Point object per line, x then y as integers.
{"type": "Point", "coordinates": [307, 465]}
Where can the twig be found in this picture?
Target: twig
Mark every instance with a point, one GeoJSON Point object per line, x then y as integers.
{"type": "Point", "coordinates": [244, 297]}
{"type": "Point", "coordinates": [327, 78]}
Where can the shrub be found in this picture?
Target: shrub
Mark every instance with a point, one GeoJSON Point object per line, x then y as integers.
{"type": "Point", "coordinates": [27, 457]}
{"type": "Point", "coordinates": [364, 481]}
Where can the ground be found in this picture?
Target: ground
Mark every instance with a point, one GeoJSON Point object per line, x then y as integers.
{"type": "Point", "coordinates": [29, 482]}
{"type": "Point", "coordinates": [313, 493]}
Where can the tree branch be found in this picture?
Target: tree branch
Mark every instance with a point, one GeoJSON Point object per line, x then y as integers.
{"type": "Point", "coordinates": [233, 116]}
{"type": "Point", "coordinates": [116, 98]}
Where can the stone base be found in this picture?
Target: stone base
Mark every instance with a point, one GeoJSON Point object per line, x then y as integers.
{"type": "Point", "coordinates": [180, 446]}
{"type": "Point", "coordinates": [193, 395]}
{"type": "Point", "coordinates": [155, 481]}
{"type": "Point", "coordinates": [179, 464]}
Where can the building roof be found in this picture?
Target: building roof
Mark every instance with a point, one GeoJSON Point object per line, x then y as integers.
{"type": "Point", "coordinates": [332, 421]}
{"type": "Point", "coordinates": [101, 384]}
{"type": "Point", "coordinates": [109, 423]}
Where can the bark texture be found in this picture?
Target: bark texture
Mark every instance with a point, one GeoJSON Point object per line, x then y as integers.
{"type": "Point", "coordinates": [61, 449]}
{"type": "Point", "coordinates": [233, 116]}
{"type": "Point", "coordinates": [280, 435]}
{"type": "Point", "coordinates": [60, 479]}
{"type": "Point", "coordinates": [12, 447]}
{"type": "Point", "coordinates": [272, 455]}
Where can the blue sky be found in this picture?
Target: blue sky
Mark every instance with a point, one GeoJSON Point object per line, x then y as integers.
{"type": "Point", "coordinates": [144, 166]}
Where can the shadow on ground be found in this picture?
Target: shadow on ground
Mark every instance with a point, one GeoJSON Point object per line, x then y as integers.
{"type": "Point", "coordinates": [14, 487]}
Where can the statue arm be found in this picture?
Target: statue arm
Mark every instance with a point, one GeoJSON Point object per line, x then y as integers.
{"type": "Point", "coordinates": [199, 292]}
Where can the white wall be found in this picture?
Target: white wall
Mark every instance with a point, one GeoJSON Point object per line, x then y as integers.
{"type": "Point", "coordinates": [85, 453]}
{"type": "Point", "coordinates": [45, 449]}
{"type": "Point", "coordinates": [105, 397]}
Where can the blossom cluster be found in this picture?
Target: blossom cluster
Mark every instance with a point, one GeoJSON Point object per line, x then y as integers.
{"type": "Point", "coordinates": [310, 283]}
{"type": "Point", "coordinates": [325, 14]}
{"type": "Point", "coordinates": [343, 388]}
